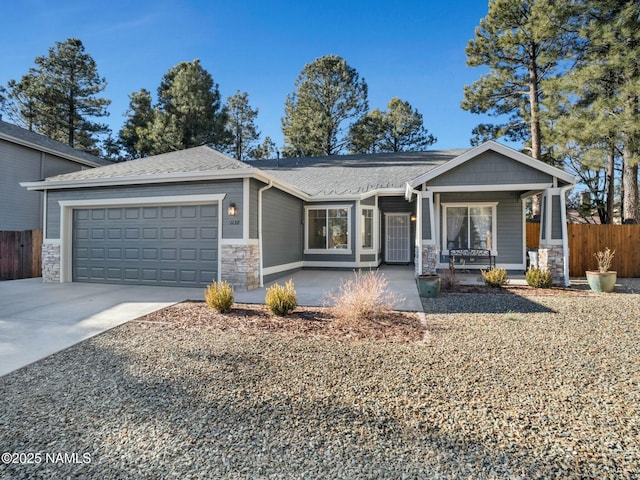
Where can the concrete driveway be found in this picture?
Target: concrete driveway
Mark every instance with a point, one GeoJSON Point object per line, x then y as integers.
{"type": "Point", "coordinates": [38, 319]}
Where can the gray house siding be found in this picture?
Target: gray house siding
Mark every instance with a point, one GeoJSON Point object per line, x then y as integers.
{"type": "Point", "coordinates": [21, 209]}
{"type": "Point", "coordinates": [509, 221]}
{"type": "Point", "coordinates": [426, 219]}
{"type": "Point", "coordinates": [282, 228]}
{"type": "Point", "coordinates": [490, 168]}
{"type": "Point", "coordinates": [231, 226]}
{"type": "Point", "coordinates": [556, 219]}
{"type": "Point", "coordinates": [369, 201]}
{"type": "Point", "coordinates": [254, 187]}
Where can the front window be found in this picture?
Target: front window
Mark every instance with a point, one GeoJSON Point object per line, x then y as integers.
{"type": "Point", "coordinates": [367, 228]}
{"type": "Point", "coordinates": [328, 229]}
{"type": "Point", "coordinates": [470, 226]}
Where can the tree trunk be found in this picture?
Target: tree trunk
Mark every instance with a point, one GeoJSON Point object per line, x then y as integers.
{"type": "Point", "coordinates": [630, 187]}
{"type": "Point", "coordinates": [611, 183]}
{"type": "Point", "coordinates": [534, 104]}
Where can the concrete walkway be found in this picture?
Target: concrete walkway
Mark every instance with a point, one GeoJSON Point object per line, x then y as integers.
{"type": "Point", "coordinates": [312, 285]}
{"type": "Point", "coordinates": [38, 319]}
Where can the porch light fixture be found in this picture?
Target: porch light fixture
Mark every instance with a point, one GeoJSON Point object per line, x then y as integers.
{"type": "Point", "coordinates": [232, 211]}
{"type": "Point", "coordinates": [413, 218]}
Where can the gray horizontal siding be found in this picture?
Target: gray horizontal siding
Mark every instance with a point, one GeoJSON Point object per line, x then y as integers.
{"type": "Point", "coordinates": [426, 219]}
{"type": "Point", "coordinates": [21, 209]}
{"type": "Point", "coordinates": [509, 222]}
{"type": "Point", "coordinates": [556, 219]}
{"type": "Point", "coordinates": [282, 228]}
{"type": "Point", "coordinates": [491, 168]}
{"type": "Point", "coordinates": [254, 187]}
{"type": "Point", "coordinates": [231, 226]}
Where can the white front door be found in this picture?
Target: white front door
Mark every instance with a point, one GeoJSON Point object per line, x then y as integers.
{"type": "Point", "coordinates": [398, 238]}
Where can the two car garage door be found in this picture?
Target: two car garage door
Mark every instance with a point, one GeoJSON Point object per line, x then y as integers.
{"type": "Point", "coordinates": [150, 245]}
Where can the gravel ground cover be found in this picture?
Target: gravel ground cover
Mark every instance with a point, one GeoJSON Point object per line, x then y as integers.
{"type": "Point", "coordinates": [499, 385]}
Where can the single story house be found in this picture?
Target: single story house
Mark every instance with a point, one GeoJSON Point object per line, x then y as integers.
{"type": "Point", "coordinates": [25, 155]}
{"type": "Point", "coordinates": [193, 216]}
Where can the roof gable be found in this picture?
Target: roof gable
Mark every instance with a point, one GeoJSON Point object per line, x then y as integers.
{"type": "Point", "coordinates": [523, 169]}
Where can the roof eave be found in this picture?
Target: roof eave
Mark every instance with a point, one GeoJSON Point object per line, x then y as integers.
{"type": "Point", "coordinates": [51, 151]}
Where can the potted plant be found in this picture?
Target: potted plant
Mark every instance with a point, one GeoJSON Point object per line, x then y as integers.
{"type": "Point", "coordinates": [603, 279]}
{"type": "Point", "coordinates": [429, 285]}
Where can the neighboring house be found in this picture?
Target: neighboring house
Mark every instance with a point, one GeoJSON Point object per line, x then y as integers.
{"type": "Point", "coordinates": [24, 156]}
{"type": "Point", "coordinates": [193, 216]}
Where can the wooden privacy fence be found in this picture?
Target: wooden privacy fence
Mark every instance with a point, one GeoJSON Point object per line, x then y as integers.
{"type": "Point", "coordinates": [20, 254]}
{"type": "Point", "coordinates": [586, 239]}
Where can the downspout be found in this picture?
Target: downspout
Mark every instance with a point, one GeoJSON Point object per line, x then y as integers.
{"type": "Point", "coordinates": [266, 187]}
{"type": "Point", "coordinates": [565, 233]}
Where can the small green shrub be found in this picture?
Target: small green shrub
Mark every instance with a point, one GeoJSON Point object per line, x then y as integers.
{"type": "Point", "coordinates": [219, 296]}
{"type": "Point", "coordinates": [281, 300]}
{"type": "Point", "coordinates": [496, 277]}
{"type": "Point", "coordinates": [538, 278]}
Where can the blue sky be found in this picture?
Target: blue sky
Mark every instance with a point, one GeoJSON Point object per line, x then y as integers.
{"type": "Point", "coordinates": [408, 49]}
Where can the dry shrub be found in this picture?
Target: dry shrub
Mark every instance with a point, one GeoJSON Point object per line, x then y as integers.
{"type": "Point", "coordinates": [281, 300]}
{"type": "Point", "coordinates": [219, 296]}
{"type": "Point", "coordinates": [450, 278]}
{"type": "Point", "coordinates": [363, 297]}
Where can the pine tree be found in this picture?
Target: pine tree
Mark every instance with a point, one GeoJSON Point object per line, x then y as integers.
{"type": "Point", "coordinates": [398, 129]}
{"type": "Point", "coordinates": [135, 133]}
{"type": "Point", "coordinates": [522, 42]}
{"type": "Point", "coordinates": [328, 94]}
{"type": "Point", "coordinates": [241, 124]}
{"type": "Point", "coordinates": [58, 97]}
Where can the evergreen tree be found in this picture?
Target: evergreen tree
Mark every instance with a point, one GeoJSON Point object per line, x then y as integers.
{"type": "Point", "coordinates": [241, 124]}
{"type": "Point", "coordinates": [398, 129]}
{"type": "Point", "coordinates": [58, 97]}
{"type": "Point", "coordinates": [328, 94]}
{"type": "Point", "coordinates": [189, 112]}
{"type": "Point", "coordinates": [522, 42]}
{"type": "Point", "coordinates": [135, 133]}
{"type": "Point", "coordinates": [594, 107]}
{"type": "Point", "coordinates": [267, 149]}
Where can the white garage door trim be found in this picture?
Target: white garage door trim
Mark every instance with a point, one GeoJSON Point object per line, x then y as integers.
{"type": "Point", "coordinates": [66, 219]}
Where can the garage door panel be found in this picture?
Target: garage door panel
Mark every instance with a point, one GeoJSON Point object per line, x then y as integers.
{"type": "Point", "coordinates": [168, 245]}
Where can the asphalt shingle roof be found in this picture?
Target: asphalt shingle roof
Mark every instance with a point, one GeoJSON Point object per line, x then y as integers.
{"type": "Point", "coordinates": [316, 176]}
{"type": "Point", "coordinates": [197, 159]}
{"type": "Point", "coordinates": [354, 174]}
{"type": "Point", "coordinates": [23, 135]}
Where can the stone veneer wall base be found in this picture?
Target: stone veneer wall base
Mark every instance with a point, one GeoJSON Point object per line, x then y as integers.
{"type": "Point", "coordinates": [240, 266]}
{"type": "Point", "coordinates": [51, 262]}
{"type": "Point", "coordinates": [552, 258]}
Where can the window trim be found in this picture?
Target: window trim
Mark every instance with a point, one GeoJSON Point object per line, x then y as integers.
{"type": "Point", "coordinates": [328, 251]}
{"type": "Point", "coordinates": [494, 223]}
{"type": "Point", "coordinates": [372, 248]}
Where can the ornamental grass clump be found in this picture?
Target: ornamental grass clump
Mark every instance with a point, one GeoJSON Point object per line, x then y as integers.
{"type": "Point", "coordinates": [365, 296]}
{"type": "Point", "coordinates": [219, 296]}
{"type": "Point", "coordinates": [496, 277]}
{"type": "Point", "coordinates": [281, 300]}
{"type": "Point", "coordinates": [538, 278]}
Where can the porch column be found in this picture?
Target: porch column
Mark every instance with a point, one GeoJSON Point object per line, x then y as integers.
{"type": "Point", "coordinates": [426, 246]}
{"type": "Point", "coordinates": [553, 254]}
